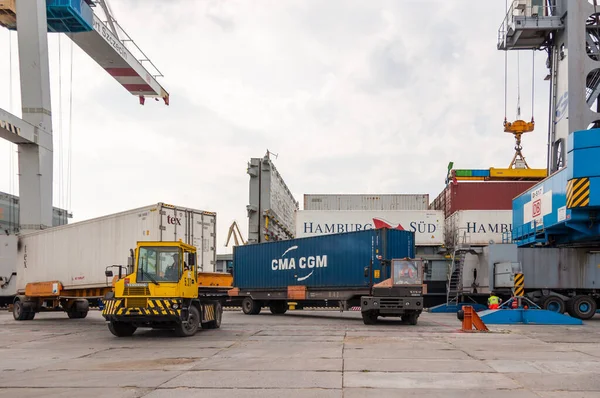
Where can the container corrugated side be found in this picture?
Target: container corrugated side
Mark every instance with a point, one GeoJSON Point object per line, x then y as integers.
{"type": "Point", "coordinates": [366, 202]}
{"type": "Point", "coordinates": [427, 225]}
{"type": "Point", "coordinates": [471, 195]}
{"type": "Point", "coordinates": [478, 227]}
{"type": "Point", "coordinates": [329, 261]}
{"type": "Point", "coordinates": [78, 254]}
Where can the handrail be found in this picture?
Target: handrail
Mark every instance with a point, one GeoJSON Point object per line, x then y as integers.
{"type": "Point", "coordinates": [523, 9]}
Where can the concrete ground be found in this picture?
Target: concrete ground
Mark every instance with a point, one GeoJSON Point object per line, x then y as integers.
{"type": "Point", "coordinates": [300, 354]}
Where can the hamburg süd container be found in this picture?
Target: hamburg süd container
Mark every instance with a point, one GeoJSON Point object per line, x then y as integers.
{"type": "Point", "coordinates": [327, 202]}
{"type": "Point", "coordinates": [428, 225]}
{"type": "Point", "coordinates": [478, 227]}
{"type": "Point", "coordinates": [328, 261]}
{"type": "Point", "coordinates": [76, 255]}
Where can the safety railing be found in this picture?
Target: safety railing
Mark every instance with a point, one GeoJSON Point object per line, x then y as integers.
{"type": "Point", "coordinates": [524, 10]}
{"type": "Point", "coordinates": [527, 232]}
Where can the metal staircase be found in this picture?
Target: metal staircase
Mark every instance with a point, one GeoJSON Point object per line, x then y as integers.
{"type": "Point", "coordinates": [454, 285]}
{"type": "Point", "coordinates": [455, 277]}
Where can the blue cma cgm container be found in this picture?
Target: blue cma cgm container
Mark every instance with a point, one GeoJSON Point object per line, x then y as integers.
{"type": "Point", "coordinates": [336, 261]}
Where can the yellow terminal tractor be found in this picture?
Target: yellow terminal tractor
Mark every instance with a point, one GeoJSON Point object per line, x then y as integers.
{"type": "Point", "coordinates": [161, 291]}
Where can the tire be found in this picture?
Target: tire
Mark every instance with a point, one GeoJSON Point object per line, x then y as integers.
{"type": "Point", "coordinates": [554, 304]}
{"type": "Point", "coordinates": [370, 317]}
{"type": "Point", "coordinates": [191, 326]}
{"type": "Point", "coordinates": [278, 307]}
{"type": "Point", "coordinates": [410, 318]}
{"type": "Point", "coordinates": [19, 311]}
{"type": "Point", "coordinates": [30, 315]}
{"type": "Point", "coordinates": [121, 329]}
{"type": "Point", "coordinates": [582, 307]}
{"type": "Point", "coordinates": [460, 315]}
{"type": "Point", "coordinates": [77, 314]}
{"type": "Point", "coordinates": [218, 316]}
{"type": "Point", "coordinates": [250, 307]}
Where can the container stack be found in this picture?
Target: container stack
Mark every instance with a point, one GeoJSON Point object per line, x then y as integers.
{"type": "Point", "coordinates": [482, 210]}
{"type": "Point", "coordinates": [477, 214]}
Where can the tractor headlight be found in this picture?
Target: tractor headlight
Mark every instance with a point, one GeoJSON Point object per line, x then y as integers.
{"type": "Point", "coordinates": [175, 306]}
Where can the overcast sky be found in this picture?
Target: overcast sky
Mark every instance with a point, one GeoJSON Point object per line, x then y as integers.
{"type": "Point", "coordinates": [354, 97]}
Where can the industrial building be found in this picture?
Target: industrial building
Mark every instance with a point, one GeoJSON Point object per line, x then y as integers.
{"type": "Point", "coordinates": [9, 214]}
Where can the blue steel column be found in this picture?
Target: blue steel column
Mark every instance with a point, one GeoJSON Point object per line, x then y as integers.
{"type": "Point", "coordinates": [35, 162]}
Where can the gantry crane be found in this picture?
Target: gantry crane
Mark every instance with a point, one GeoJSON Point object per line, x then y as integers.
{"type": "Point", "coordinates": [234, 230]}
{"type": "Point", "coordinates": [33, 19]}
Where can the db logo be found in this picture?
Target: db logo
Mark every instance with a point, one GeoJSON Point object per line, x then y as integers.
{"type": "Point", "coordinates": [537, 208]}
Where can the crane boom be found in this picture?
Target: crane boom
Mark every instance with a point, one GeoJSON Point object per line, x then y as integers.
{"type": "Point", "coordinates": [110, 53]}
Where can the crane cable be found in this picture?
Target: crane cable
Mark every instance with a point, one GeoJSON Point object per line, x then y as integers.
{"type": "Point", "coordinates": [12, 209]}
{"type": "Point", "coordinates": [532, 82]}
{"type": "Point", "coordinates": [60, 129]}
{"type": "Point", "coordinates": [70, 140]}
{"type": "Point", "coordinates": [518, 88]}
{"type": "Point", "coordinates": [505, 71]}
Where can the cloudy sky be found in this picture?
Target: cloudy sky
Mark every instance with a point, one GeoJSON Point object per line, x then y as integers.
{"type": "Point", "coordinates": [354, 97]}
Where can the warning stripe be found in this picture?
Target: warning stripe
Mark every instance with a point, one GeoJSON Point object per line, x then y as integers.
{"type": "Point", "coordinates": [519, 289]}
{"type": "Point", "coordinates": [110, 306]}
{"type": "Point", "coordinates": [209, 312]}
{"type": "Point", "coordinates": [578, 192]}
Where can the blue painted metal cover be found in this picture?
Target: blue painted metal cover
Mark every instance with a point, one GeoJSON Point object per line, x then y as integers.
{"type": "Point", "coordinates": [544, 214]}
{"type": "Point", "coordinates": [69, 16]}
{"type": "Point", "coordinates": [336, 261]}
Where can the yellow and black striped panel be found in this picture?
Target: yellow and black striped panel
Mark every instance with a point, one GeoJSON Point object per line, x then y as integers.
{"type": "Point", "coordinates": [208, 312]}
{"type": "Point", "coordinates": [110, 306]}
{"type": "Point", "coordinates": [147, 311]}
{"type": "Point", "coordinates": [519, 285]}
{"type": "Point", "coordinates": [578, 192]}
{"type": "Point", "coordinates": [163, 303]}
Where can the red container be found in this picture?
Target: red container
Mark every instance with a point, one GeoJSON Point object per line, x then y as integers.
{"type": "Point", "coordinates": [487, 195]}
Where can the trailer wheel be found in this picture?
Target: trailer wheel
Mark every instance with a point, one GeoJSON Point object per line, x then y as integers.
{"type": "Point", "coordinates": [278, 307]}
{"type": "Point", "coordinates": [19, 311]}
{"type": "Point", "coordinates": [370, 317]}
{"type": "Point", "coordinates": [582, 307]}
{"type": "Point", "coordinates": [554, 304]}
{"type": "Point", "coordinates": [250, 307]}
{"type": "Point", "coordinates": [77, 314]}
{"type": "Point", "coordinates": [218, 316]}
{"type": "Point", "coordinates": [191, 326]}
{"type": "Point", "coordinates": [30, 315]}
{"type": "Point", "coordinates": [121, 329]}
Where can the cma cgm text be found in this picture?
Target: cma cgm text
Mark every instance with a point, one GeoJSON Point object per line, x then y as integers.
{"type": "Point", "coordinates": [333, 228]}
{"type": "Point", "coordinates": [303, 262]}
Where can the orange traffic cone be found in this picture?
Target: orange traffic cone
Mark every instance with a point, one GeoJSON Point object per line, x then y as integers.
{"type": "Point", "coordinates": [514, 303]}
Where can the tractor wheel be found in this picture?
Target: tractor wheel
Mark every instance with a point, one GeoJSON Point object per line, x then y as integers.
{"type": "Point", "coordinates": [191, 326]}
{"type": "Point", "coordinates": [370, 317]}
{"type": "Point", "coordinates": [218, 316]}
{"type": "Point", "coordinates": [121, 329]}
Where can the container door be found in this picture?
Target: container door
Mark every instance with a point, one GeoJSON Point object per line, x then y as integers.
{"type": "Point", "coordinates": [172, 224]}
{"type": "Point", "coordinates": [204, 239]}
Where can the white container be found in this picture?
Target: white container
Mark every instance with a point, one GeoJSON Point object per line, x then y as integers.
{"type": "Point", "coordinates": [8, 263]}
{"type": "Point", "coordinates": [478, 227]}
{"type": "Point", "coordinates": [77, 254]}
{"type": "Point", "coordinates": [427, 225]}
{"type": "Point", "coordinates": [366, 202]}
